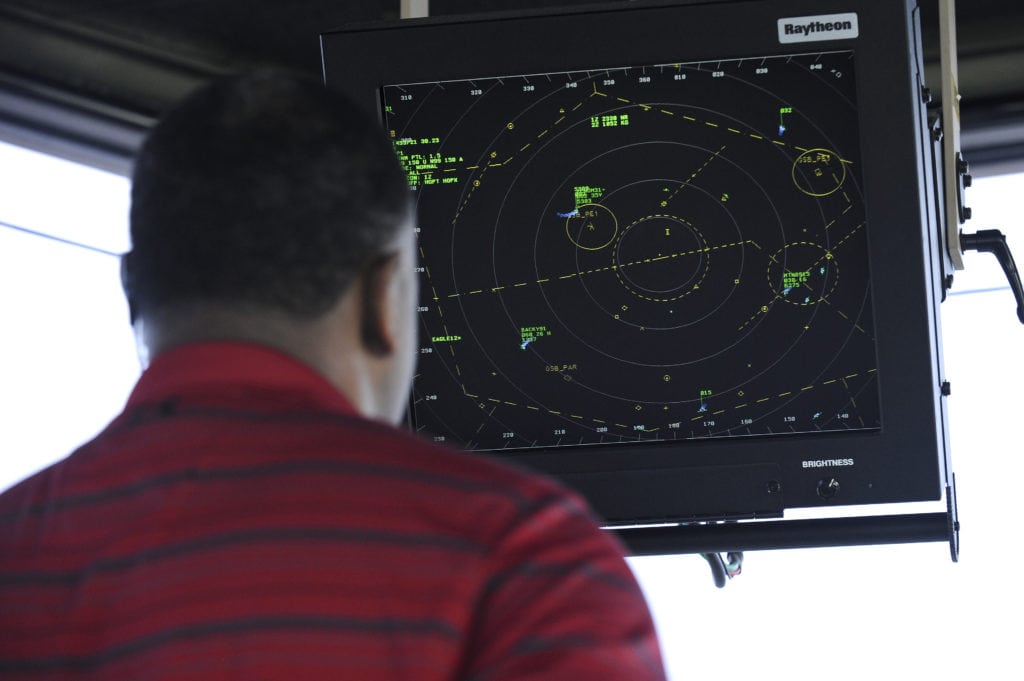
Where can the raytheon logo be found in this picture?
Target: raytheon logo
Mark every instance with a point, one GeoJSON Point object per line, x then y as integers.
{"type": "Point", "coordinates": [817, 28]}
{"type": "Point", "coordinates": [828, 463]}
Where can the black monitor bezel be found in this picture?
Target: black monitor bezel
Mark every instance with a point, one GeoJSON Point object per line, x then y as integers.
{"type": "Point", "coordinates": [906, 460]}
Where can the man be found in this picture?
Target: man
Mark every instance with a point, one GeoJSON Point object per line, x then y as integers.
{"type": "Point", "coordinates": [253, 513]}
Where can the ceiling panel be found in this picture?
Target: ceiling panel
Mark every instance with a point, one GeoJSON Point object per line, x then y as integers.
{"type": "Point", "coordinates": [119, 63]}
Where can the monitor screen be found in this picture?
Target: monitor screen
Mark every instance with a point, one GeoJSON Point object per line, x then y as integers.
{"type": "Point", "coordinates": [655, 252]}
{"type": "Point", "coordinates": [681, 255]}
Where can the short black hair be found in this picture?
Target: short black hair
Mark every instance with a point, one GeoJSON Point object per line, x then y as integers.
{"type": "Point", "coordinates": [265, 189]}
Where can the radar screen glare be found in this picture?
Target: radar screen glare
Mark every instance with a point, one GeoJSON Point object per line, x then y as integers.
{"type": "Point", "coordinates": [657, 253]}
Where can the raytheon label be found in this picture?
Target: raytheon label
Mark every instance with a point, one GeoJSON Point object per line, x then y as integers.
{"type": "Point", "coordinates": [818, 28]}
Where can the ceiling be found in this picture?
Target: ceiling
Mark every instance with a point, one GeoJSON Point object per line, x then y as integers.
{"type": "Point", "coordinates": [86, 78]}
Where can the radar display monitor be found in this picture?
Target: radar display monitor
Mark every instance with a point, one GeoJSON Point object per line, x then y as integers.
{"type": "Point", "coordinates": [687, 269]}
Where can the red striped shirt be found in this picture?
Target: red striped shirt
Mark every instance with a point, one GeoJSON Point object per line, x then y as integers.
{"type": "Point", "coordinates": [239, 521]}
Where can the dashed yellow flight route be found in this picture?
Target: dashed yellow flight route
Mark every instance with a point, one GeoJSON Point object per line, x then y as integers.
{"type": "Point", "coordinates": [563, 112]}
{"type": "Point", "coordinates": [608, 268]}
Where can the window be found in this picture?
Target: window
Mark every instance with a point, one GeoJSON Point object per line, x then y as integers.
{"type": "Point", "coordinates": [68, 358]}
{"type": "Point", "coordinates": [69, 361]}
{"type": "Point", "coordinates": [887, 612]}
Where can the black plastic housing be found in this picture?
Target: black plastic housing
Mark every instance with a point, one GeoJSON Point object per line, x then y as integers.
{"type": "Point", "coordinates": [904, 459]}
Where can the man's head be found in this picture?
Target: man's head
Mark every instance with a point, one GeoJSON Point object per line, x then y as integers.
{"type": "Point", "coordinates": [267, 207]}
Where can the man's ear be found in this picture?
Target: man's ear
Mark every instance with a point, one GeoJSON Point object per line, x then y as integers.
{"type": "Point", "coordinates": [378, 312]}
{"type": "Point", "coordinates": [128, 285]}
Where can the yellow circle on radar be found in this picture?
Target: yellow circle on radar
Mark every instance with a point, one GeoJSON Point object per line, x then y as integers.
{"type": "Point", "coordinates": [819, 172]}
{"type": "Point", "coordinates": [591, 227]}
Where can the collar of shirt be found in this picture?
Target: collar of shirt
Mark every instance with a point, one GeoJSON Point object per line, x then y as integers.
{"type": "Point", "coordinates": [236, 369]}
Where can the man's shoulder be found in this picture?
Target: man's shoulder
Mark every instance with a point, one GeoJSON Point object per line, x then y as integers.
{"type": "Point", "coordinates": [482, 470]}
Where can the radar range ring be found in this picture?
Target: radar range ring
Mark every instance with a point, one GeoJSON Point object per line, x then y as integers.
{"type": "Point", "coordinates": [595, 248]}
